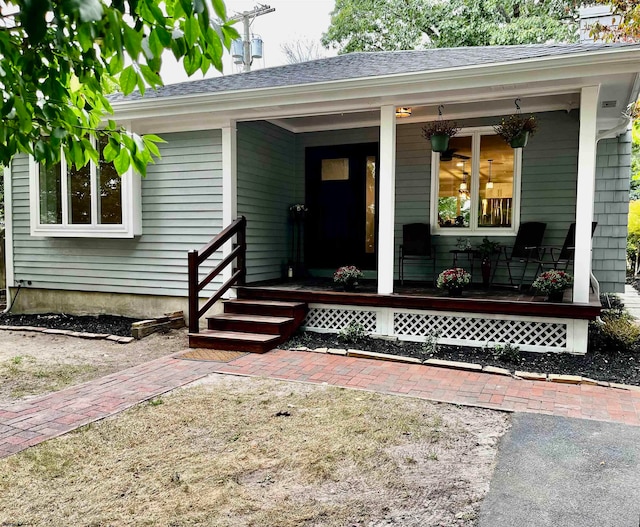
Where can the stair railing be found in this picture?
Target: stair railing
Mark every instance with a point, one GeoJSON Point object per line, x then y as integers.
{"type": "Point", "coordinates": [196, 258]}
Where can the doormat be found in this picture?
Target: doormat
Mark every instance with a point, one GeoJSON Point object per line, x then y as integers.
{"type": "Point", "coordinates": [212, 355]}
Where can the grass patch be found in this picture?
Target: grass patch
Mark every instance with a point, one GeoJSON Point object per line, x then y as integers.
{"type": "Point", "coordinates": [24, 375]}
{"type": "Point", "coordinates": [258, 453]}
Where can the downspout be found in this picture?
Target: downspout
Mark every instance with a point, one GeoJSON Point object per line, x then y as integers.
{"type": "Point", "coordinates": [8, 236]}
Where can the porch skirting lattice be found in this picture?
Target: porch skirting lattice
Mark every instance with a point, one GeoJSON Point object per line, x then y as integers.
{"type": "Point", "coordinates": [467, 329]}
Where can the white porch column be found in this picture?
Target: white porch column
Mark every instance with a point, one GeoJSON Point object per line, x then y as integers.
{"type": "Point", "coordinates": [387, 199]}
{"type": "Point", "coordinates": [585, 192]}
{"type": "Point", "coordinates": [229, 187]}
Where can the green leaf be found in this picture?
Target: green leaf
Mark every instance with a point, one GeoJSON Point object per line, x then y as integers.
{"type": "Point", "coordinates": [155, 45]}
{"type": "Point", "coordinates": [163, 35]}
{"type": "Point", "coordinates": [109, 153]}
{"type": "Point", "coordinates": [220, 9]}
{"type": "Point", "coordinates": [128, 80]}
{"type": "Point", "coordinates": [122, 161]}
{"type": "Point", "coordinates": [191, 31]}
{"type": "Point", "coordinates": [152, 78]}
{"type": "Point", "coordinates": [132, 41]}
{"type": "Point", "coordinates": [192, 61]}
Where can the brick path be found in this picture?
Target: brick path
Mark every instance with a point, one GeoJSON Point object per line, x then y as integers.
{"type": "Point", "coordinates": [30, 422]}
{"type": "Point", "coordinates": [450, 386]}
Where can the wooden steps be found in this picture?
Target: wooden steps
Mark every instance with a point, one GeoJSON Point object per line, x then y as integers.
{"type": "Point", "coordinates": [255, 326]}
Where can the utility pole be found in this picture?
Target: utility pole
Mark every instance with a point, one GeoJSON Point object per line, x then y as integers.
{"type": "Point", "coordinates": [247, 18]}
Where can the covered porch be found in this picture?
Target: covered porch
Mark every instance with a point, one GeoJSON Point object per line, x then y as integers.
{"type": "Point", "coordinates": [572, 171]}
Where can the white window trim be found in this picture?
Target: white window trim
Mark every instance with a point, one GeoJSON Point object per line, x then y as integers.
{"type": "Point", "coordinates": [473, 229]}
{"type": "Point", "coordinates": [131, 215]}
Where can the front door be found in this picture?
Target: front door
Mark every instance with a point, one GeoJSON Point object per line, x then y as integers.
{"type": "Point", "coordinates": [342, 196]}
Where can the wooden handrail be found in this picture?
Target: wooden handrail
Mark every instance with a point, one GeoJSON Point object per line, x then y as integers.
{"type": "Point", "coordinates": [196, 258]}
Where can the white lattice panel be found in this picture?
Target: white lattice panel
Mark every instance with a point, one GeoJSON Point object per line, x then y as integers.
{"type": "Point", "coordinates": [331, 319]}
{"type": "Point", "coordinates": [477, 329]}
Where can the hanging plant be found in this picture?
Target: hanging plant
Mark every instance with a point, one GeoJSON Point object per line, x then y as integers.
{"type": "Point", "coordinates": [516, 129]}
{"type": "Point", "coordinates": [439, 132]}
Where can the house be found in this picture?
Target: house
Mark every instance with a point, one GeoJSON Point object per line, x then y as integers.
{"type": "Point", "coordinates": [325, 133]}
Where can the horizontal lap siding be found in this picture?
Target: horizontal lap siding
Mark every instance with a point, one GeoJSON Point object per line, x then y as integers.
{"type": "Point", "coordinates": [181, 211]}
{"type": "Point", "coordinates": [549, 177]}
{"type": "Point", "coordinates": [266, 189]}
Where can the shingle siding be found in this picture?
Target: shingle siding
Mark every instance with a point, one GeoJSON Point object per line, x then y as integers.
{"type": "Point", "coordinates": [611, 209]}
{"type": "Point", "coordinates": [181, 210]}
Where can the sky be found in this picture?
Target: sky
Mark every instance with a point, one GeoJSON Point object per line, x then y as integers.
{"type": "Point", "coordinates": [292, 20]}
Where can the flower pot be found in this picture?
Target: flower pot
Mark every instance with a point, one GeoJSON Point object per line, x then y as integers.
{"type": "Point", "coordinates": [556, 296]}
{"type": "Point", "coordinates": [455, 292]}
{"type": "Point", "coordinates": [520, 140]}
{"type": "Point", "coordinates": [485, 267]}
{"type": "Point", "coordinates": [439, 142]}
{"type": "Point", "coordinates": [349, 286]}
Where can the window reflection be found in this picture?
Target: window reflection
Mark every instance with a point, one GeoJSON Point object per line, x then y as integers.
{"type": "Point", "coordinates": [495, 207]}
{"type": "Point", "coordinates": [455, 184]}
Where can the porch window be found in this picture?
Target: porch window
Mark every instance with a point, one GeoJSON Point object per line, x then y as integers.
{"type": "Point", "coordinates": [476, 187]}
{"type": "Point", "coordinates": [91, 201]}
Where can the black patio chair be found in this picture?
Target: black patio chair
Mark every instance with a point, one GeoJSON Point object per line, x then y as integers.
{"type": "Point", "coordinates": [562, 257]}
{"type": "Point", "coordinates": [416, 245]}
{"type": "Point", "coordinates": [526, 249]}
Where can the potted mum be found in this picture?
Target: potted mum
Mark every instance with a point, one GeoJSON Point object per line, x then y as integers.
{"type": "Point", "coordinates": [553, 283]}
{"type": "Point", "coordinates": [516, 129]}
{"type": "Point", "coordinates": [453, 280]}
{"type": "Point", "coordinates": [348, 277]}
{"type": "Point", "coordinates": [439, 132]}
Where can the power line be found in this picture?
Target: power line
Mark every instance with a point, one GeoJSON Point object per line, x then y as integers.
{"type": "Point", "coordinates": [247, 17]}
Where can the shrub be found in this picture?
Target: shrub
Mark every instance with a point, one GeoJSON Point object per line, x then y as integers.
{"type": "Point", "coordinates": [507, 353]}
{"type": "Point", "coordinates": [353, 332]}
{"type": "Point", "coordinates": [614, 334]}
{"type": "Point", "coordinates": [430, 345]}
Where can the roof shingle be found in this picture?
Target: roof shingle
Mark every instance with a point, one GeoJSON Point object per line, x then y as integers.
{"type": "Point", "coordinates": [362, 65]}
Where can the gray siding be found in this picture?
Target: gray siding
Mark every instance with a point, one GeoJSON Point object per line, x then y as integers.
{"type": "Point", "coordinates": [549, 178]}
{"type": "Point", "coordinates": [181, 210]}
{"type": "Point", "coordinates": [267, 187]}
{"type": "Point", "coordinates": [611, 212]}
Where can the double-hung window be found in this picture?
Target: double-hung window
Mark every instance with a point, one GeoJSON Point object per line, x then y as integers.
{"type": "Point", "coordinates": [92, 201]}
{"type": "Point", "coordinates": [475, 185]}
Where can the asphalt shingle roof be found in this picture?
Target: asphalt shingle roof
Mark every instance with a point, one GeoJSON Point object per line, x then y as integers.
{"type": "Point", "coordinates": [372, 64]}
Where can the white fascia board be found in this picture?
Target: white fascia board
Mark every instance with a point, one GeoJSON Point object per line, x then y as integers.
{"type": "Point", "coordinates": [574, 66]}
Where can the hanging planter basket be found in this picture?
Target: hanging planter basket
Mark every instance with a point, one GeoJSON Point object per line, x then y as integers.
{"type": "Point", "coordinates": [439, 142]}
{"type": "Point", "coordinates": [516, 129]}
{"type": "Point", "coordinates": [520, 140]}
{"type": "Point", "coordinates": [439, 132]}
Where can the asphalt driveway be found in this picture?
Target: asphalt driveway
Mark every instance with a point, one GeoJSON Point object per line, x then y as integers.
{"type": "Point", "coordinates": [562, 472]}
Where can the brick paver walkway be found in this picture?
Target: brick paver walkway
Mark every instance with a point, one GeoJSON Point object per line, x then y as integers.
{"type": "Point", "coordinates": [28, 423]}
{"type": "Point", "coordinates": [444, 385]}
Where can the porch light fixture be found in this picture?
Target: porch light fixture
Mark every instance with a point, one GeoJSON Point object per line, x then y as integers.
{"type": "Point", "coordinates": [490, 183]}
{"type": "Point", "coordinates": [404, 111]}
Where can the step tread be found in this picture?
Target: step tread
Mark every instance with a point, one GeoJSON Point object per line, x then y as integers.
{"type": "Point", "coordinates": [235, 335]}
{"type": "Point", "coordinates": [251, 318]}
{"type": "Point", "coordinates": [270, 303]}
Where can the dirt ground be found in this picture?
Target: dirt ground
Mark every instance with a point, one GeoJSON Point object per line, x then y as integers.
{"type": "Point", "coordinates": [244, 452]}
{"type": "Point", "coordinates": [35, 363]}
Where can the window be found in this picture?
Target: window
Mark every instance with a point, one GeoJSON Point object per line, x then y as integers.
{"type": "Point", "coordinates": [92, 201]}
{"type": "Point", "coordinates": [475, 186]}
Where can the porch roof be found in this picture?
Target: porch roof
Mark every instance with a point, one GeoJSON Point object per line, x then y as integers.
{"type": "Point", "coordinates": [371, 64]}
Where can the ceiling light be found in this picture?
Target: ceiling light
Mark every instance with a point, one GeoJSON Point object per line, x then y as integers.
{"type": "Point", "coordinates": [403, 112]}
{"type": "Point", "coordinates": [490, 183]}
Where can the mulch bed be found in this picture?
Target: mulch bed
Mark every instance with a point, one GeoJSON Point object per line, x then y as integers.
{"type": "Point", "coordinates": [620, 367]}
{"type": "Point", "coordinates": [109, 324]}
